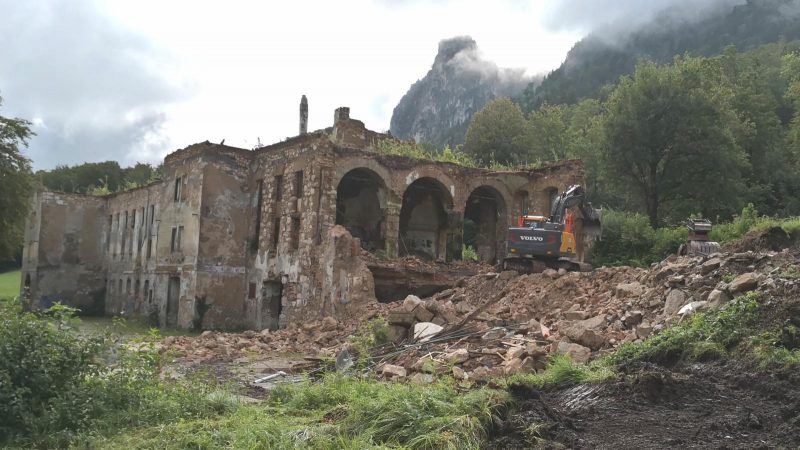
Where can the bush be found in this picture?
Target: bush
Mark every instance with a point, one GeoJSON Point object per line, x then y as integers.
{"type": "Point", "coordinates": [43, 365]}
{"type": "Point", "coordinates": [704, 336]}
{"type": "Point", "coordinates": [627, 240]}
{"type": "Point", "coordinates": [469, 253]}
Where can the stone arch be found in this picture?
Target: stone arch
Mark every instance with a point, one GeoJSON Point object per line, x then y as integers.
{"type": "Point", "coordinates": [425, 218]}
{"type": "Point", "coordinates": [486, 222]}
{"type": "Point", "coordinates": [361, 206]}
{"type": "Point", "coordinates": [343, 167]}
{"type": "Point", "coordinates": [435, 173]}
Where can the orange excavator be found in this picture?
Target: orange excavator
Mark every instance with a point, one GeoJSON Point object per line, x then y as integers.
{"type": "Point", "coordinates": [539, 242]}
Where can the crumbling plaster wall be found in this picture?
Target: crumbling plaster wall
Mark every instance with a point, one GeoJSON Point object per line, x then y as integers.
{"type": "Point", "coordinates": [259, 226]}
{"type": "Point", "coordinates": [223, 239]}
{"type": "Point", "coordinates": [128, 239]}
{"type": "Point", "coordinates": [62, 255]}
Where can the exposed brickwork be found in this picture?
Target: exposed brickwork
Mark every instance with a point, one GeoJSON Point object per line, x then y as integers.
{"type": "Point", "coordinates": [234, 238]}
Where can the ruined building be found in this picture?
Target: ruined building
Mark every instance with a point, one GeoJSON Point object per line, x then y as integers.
{"type": "Point", "coordinates": [236, 238]}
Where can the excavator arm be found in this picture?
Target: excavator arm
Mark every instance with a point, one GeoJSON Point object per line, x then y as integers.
{"type": "Point", "coordinates": [576, 196]}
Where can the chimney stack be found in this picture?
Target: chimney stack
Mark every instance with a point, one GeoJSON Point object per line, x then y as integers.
{"type": "Point", "coordinates": [341, 113]}
{"type": "Point", "coordinates": [303, 115]}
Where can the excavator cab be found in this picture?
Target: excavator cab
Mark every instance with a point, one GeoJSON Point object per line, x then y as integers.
{"type": "Point", "coordinates": [539, 242]}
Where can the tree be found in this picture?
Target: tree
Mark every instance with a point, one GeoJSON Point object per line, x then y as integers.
{"type": "Point", "coordinates": [497, 134]}
{"type": "Point", "coordinates": [669, 140]}
{"type": "Point", "coordinates": [547, 132]}
{"type": "Point", "coordinates": [16, 182]}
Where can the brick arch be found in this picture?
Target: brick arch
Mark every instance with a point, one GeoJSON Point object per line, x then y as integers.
{"type": "Point", "coordinates": [492, 182]}
{"type": "Point", "coordinates": [487, 216]}
{"type": "Point", "coordinates": [362, 205]}
{"type": "Point", "coordinates": [430, 171]}
{"type": "Point", "coordinates": [343, 167]}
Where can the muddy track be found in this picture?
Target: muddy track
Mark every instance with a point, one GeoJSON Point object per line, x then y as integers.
{"type": "Point", "coordinates": [651, 407]}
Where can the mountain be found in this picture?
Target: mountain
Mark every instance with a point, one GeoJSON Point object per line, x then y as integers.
{"type": "Point", "coordinates": [438, 108]}
{"type": "Point", "coordinates": [603, 56]}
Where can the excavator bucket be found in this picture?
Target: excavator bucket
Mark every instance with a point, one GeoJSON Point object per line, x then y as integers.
{"type": "Point", "coordinates": [592, 225]}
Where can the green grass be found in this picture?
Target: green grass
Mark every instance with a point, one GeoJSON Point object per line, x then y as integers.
{"type": "Point", "coordinates": [561, 370]}
{"type": "Point", "coordinates": [336, 412]}
{"type": "Point", "coordinates": [9, 284]}
{"type": "Point", "coordinates": [133, 408]}
{"type": "Point", "coordinates": [731, 331]}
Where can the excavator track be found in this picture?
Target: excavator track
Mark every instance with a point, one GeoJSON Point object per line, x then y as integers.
{"type": "Point", "coordinates": [525, 265]}
{"type": "Point", "coordinates": [699, 248]}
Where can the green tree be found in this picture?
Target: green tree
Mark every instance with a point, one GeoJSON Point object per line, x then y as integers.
{"type": "Point", "coordinates": [669, 140]}
{"type": "Point", "coordinates": [16, 183]}
{"type": "Point", "coordinates": [497, 134]}
{"type": "Point", "coordinates": [758, 91]}
{"type": "Point", "coordinates": [790, 72]}
{"type": "Point", "coordinates": [547, 132]}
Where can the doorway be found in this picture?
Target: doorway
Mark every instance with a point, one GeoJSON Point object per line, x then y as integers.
{"type": "Point", "coordinates": [271, 293]}
{"type": "Point", "coordinates": [173, 295]}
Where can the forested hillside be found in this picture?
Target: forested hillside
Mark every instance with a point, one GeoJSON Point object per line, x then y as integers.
{"type": "Point", "coordinates": [602, 57]}
{"type": "Point", "coordinates": [700, 136]}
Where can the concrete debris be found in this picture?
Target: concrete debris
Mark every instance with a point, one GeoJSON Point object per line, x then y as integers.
{"type": "Point", "coordinates": [457, 357]}
{"type": "Point", "coordinates": [743, 283]}
{"type": "Point", "coordinates": [392, 371]}
{"type": "Point", "coordinates": [692, 308]}
{"type": "Point", "coordinates": [423, 331]}
{"type": "Point", "coordinates": [676, 298]}
{"type": "Point", "coordinates": [491, 324]}
{"type": "Point", "coordinates": [577, 353]}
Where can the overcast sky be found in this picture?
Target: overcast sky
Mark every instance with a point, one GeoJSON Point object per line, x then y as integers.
{"type": "Point", "coordinates": [133, 80]}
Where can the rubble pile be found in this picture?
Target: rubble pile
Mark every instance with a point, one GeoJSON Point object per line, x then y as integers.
{"type": "Point", "coordinates": [493, 324]}
{"type": "Point", "coordinates": [517, 320]}
{"type": "Point", "coordinates": [316, 337]}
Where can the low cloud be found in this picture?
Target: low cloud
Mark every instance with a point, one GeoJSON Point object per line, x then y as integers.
{"type": "Point", "coordinates": [462, 54]}
{"type": "Point", "coordinates": [93, 90]}
{"type": "Point", "coordinates": [611, 17]}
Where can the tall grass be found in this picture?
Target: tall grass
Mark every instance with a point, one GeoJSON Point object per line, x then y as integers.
{"type": "Point", "coordinates": [337, 412]}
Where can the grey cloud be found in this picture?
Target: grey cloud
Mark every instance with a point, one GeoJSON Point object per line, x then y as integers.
{"type": "Point", "coordinates": [614, 16]}
{"type": "Point", "coordinates": [92, 88]}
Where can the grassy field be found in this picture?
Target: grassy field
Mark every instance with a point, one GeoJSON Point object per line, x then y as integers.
{"type": "Point", "coordinates": [9, 284]}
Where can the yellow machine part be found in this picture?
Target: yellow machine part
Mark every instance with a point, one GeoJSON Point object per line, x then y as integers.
{"type": "Point", "coordinates": [567, 244]}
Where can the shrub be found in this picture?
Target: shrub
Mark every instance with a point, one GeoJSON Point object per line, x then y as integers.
{"type": "Point", "coordinates": [704, 336]}
{"type": "Point", "coordinates": [469, 253]}
{"type": "Point", "coordinates": [627, 240]}
{"type": "Point", "coordinates": [43, 365]}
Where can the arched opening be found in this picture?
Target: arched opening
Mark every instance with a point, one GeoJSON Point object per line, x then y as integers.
{"type": "Point", "coordinates": [485, 223]}
{"type": "Point", "coordinates": [550, 195]}
{"type": "Point", "coordinates": [423, 219]}
{"type": "Point", "coordinates": [360, 202]}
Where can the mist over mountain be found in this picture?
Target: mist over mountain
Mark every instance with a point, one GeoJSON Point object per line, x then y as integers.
{"type": "Point", "coordinates": [703, 29]}
{"type": "Point", "coordinates": [438, 107]}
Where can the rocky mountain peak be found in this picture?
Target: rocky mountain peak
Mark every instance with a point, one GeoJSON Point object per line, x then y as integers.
{"type": "Point", "coordinates": [438, 107]}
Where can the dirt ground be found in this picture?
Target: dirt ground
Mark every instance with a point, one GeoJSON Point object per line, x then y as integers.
{"type": "Point", "coordinates": [717, 405]}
